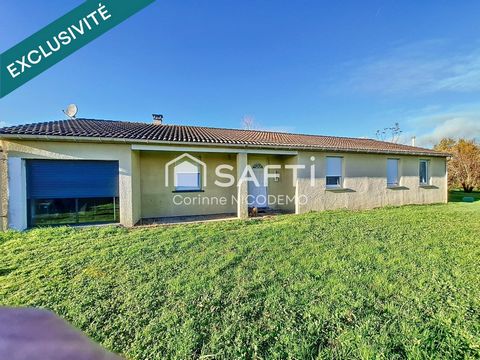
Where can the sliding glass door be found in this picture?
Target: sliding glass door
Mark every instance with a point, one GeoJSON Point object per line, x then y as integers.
{"type": "Point", "coordinates": [45, 212]}
{"type": "Point", "coordinates": [64, 192]}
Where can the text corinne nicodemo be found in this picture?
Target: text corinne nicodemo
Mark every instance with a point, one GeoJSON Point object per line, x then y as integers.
{"type": "Point", "coordinates": [64, 38]}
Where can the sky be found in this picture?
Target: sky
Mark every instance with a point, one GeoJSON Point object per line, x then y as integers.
{"type": "Point", "coordinates": [343, 68]}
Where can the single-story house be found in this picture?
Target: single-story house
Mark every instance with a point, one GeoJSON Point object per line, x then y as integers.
{"type": "Point", "coordinates": [83, 171]}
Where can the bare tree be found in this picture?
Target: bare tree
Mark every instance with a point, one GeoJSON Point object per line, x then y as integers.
{"type": "Point", "coordinates": [391, 134]}
{"type": "Point", "coordinates": [248, 122]}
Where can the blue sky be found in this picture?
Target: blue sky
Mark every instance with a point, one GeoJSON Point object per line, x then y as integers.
{"type": "Point", "coordinates": [336, 68]}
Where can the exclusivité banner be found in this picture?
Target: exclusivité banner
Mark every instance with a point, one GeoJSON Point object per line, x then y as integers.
{"type": "Point", "coordinates": [61, 38]}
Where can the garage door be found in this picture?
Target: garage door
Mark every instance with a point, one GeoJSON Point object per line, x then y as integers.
{"type": "Point", "coordinates": [72, 192]}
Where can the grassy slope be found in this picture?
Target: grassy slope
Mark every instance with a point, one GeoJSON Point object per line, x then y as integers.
{"type": "Point", "coordinates": [398, 282]}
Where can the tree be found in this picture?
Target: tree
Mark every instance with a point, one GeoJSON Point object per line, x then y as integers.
{"type": "Point", "coordinates": [248, 122]}
{"type": "Point", "coordinates": [391, 134]}
{"type": "Point", "coordinates": [464, 164]}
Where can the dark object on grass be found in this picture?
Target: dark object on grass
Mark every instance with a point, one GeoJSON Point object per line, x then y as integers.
{"type": "Point", "coordinates": [468, 199]}
{"type": "Point", "coordinates": [39, 334]}
{"type": "Point", "coordinates": [252, 211]}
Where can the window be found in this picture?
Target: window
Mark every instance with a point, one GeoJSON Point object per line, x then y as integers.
{"type": "Point", "coordinates": [424, 172]}
{"type": "Point", "coordinates": [392, 172]}
{"type": "Point", "coordinates": [334, 172]}
{"type": "Point", "coordinates": [187, 177]}
{"type": "Point", "coordinates": [47, 212]}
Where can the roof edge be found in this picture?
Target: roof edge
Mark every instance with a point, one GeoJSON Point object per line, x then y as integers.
{"type": "Point", "coordinates": [86, 139]}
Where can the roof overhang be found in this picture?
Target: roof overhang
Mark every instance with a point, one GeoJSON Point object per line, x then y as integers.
{"type": "Point", "coordinates": [238, 147]}
{"type": "Point", "coordinates": [205, 149]}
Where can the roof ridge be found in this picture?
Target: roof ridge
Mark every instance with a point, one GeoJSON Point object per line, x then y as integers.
{"type": "Point", "coordinates": [236, 129]}
{"type": "Point", "coordinates": [262, 131]}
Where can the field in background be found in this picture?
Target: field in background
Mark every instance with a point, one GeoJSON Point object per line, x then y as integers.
{"type": "Point", "coordinates": [458, 195]}
{"type": "Point", "coordinates": [387, 283]}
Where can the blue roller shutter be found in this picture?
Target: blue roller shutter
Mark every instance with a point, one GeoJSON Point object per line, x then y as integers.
{"type": "Point", "coordinates": [59, 179]}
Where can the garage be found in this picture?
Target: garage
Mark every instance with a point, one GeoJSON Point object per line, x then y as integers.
{"type": "Point", "coordinates": [69, 192]}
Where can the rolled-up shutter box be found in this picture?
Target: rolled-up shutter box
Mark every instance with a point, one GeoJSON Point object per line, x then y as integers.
{"type": "Point", "coordinates": [57, 179]}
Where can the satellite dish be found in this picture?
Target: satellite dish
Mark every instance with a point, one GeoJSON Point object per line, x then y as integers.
{"type": "Point", "coordinates": [71, 111]}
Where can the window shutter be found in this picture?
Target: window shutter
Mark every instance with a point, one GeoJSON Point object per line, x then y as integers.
{"type": "Point", "coordinates": [392, 171]}
{"type": "Point", "coordinates": [334, 166]}
{"type": "Point", "coordinates": [187, 176]}
{"type": "Point", "coordinates": [60, 179]}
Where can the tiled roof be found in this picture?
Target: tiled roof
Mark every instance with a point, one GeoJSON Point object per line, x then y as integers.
{"type": "Point", "coordinates": [138, 132]}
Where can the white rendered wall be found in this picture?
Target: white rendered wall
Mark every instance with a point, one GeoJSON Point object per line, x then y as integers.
{"type": "Point", "coordinates": [17, 194]}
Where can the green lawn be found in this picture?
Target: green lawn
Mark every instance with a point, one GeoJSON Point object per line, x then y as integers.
{"type": "Point", "coordinates": [458, 195]}
{"type": "Point", "coordinates": [388, 284]}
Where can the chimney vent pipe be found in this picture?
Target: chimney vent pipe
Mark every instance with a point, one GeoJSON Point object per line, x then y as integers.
{"type": "Point", "coordinates": [157, 119]}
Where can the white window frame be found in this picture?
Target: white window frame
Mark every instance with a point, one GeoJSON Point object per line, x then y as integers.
{"type": "Point", "coordinates": [397, 182]}
{"type": "Point", "coordinates": [427, 169]}
{"type": "Point", "coordinates": [340, 176]}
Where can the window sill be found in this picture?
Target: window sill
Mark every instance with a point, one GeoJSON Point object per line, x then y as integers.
{"type": "Point", "coordinates": [397, 187]}
{"type": "Point", "coordinates": [188, 191]}
{"type": "Point", "coordinates": [339, 189]}
{"type": "Point", "coordinates": [428, 187]}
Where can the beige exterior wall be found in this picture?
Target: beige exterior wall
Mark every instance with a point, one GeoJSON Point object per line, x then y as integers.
{"type": "Point", "coordinates": [365, 182]}
{"type": "Point", "coordinates": [143, 193]}
{"type": "Point", "coordinates": [91, 151]}
{"type": "Point", "coordinates": [136, 188]}
{"type": "Point", "coordinates": [281, 192]}
{"type": "Point", "coordinates": [242, 187]}
{"type": "Point", "coordinates": [161, 201]}
{"type": "Point", "coordinates": [158, 201]}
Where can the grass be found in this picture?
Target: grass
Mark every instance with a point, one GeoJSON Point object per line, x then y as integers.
{"type": "Point", "coordinates": [390, 283]}
{"type": "Point", "coordinates": [458, 195]}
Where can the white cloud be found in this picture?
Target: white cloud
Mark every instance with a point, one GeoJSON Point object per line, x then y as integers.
{"type": "Point", "coordinates": [456, 127]}
{"type": "Point", "coordinates": [429, 129]}
{"type": "Point", "coordinates": [3, 124]}
{"type": "Point", "coordinates": [423, 67]}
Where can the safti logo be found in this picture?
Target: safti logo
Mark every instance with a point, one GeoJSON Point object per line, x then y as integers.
{"type": "Point", "coordinates": [187, 172]}
{"type": "Point", "coordinates": [190, 173]}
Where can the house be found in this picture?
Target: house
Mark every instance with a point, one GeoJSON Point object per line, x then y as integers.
{"type": "Point", "coordinates": [98, 171]}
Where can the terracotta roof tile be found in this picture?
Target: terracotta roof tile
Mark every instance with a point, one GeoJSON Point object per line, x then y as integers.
{"type": "Point", "coordinates": [135, 131]}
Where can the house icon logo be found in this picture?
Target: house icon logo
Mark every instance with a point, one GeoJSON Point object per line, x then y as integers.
{"type": "Point", "coordinates": [189, 173]}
